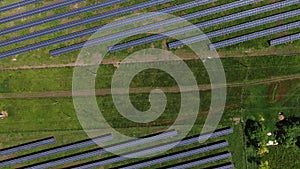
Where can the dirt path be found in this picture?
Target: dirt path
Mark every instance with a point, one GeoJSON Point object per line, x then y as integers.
{"type": "Point", "coordinates": [113, 62]}
{"type": "Point", "coordinates": [103, 92]}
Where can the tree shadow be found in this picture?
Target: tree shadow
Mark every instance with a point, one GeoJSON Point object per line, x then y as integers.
{"type": "Point", "coordinates": [298, 142]}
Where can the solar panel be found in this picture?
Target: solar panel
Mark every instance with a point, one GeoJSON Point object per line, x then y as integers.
{"type": "Point", "coordinates": [27, 146]}
{"type": "Point", "coordinates": [202, 25]}
{"type": "Point", "coordinates": [77, 23]}
{"type": "Point", "coordinates": [236, 28]}
{"type": "Point", "coordinates": [38, 10]}
{"type": "Point", "coordinates": [18, 5]}
{"type": "Point", "coordinates": [202, 161]}
{"type": "Point", "coordinates": [87, 20]}
{"type": "Point", "coordinates": [176, 156]}
{"type": "Point", "coordinates": [228, 166]}
{"type": "Point", "coordinates": [152, 26]}
{"type": "Point", "coordinates": [254, 35]}
{"type": "Point", "coordinates": [166, 146]}
{"type": "Point", "coordinates": [93, 30]}
{"type": "Point", "coordinates": [55, 151]}
{"type": "Point", "coordinates": [56, 17]}
{"type": "Point", "coordinates": [119, 146]}
{"type": "Point", "coordinates": [285, 39]}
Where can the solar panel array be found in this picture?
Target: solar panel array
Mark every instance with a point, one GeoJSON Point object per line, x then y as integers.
{"type": "Point", "coordinates": [56, 17]}
{"type": "Point", "coordinates": [254, 35]}
{"type": "Point", "coordinates": [55, 151]}
{"type": "Point", "coordinates": [93, 30]}
{"type": "Point", "coordinates": [27, 146]}
{"type": "Point", "coordinates": [119, 146]}
{"type": "Point", "coordinates": [233, 29]}
{"type": "Point", "coordinates": [77, 23]}
{"type": "Point", "coordinates": [89, 19]}
{"type": "Point", "coordinates": [18, 5]}
{"type": "Point", "coordinates": [202, 161]}
{"type": "Point", "coordinates": [228, 166]}
{"type": "Point", "coordinates": [202, 25]}
{"type": "Point", "coordinates": [157, 148]}
{"type": "Point", "coordinates": [153, 26]}
{"type": "Point", "coordinates": [177, 156]}
{"type": "Point", "coordinates": [285, 39]}
{"type": "Point", "coordinates": [38, 10]}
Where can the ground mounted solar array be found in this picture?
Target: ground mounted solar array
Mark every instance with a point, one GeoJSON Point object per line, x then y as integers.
{"type": "Point", "coordinates": [236, 28]}
{"type": "Point", "coordinates": [254, 35]}
{"type": "Point", "coordinates": [159, 148]}
{"type": "Point", "coordinates": [227, 166]}
{"type": "Point", "coordinates": [18, 5]}
{"type": "Point", "coordinates": [119, 146]}
{"type": "Point", "coordinates": [56, 17]}
{"type": "Point", "coordinates": [52, 151]}
{"type": "Point", "coordinates": [176, 156]}
{"type": "Point", "coordinates": [143, 29]}
{"type": "Point", "coordinates": [38, 10]}
{"type": "Point", "coordinates": [89, 19]}
{"type": "Point", "coordinates": [202, 25]}
{"type": "Point", "coordinates": [285, 39]}
{"type": "Point", "coordinates": [77, 23]}
{"type": "Point", "coordinates": [93, 30]}
{"type": "Point", "coordinates": [201, 161]}
{"type": "Point", "coordinates": [27, 146]}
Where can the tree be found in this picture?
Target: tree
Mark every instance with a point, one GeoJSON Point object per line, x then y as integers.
{"type": "Point", "coordinates": [288, 138]}
{"type": "Point", "coordinates": [256, 133]}
{"type": "Point", "coordinates": [264, 165]}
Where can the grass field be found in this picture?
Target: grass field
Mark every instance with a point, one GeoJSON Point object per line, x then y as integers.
{"type": "Point", "coordinates": [250, 68]}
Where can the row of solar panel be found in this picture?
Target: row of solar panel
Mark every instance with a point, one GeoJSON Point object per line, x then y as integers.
{"type": "Point", "coordinates": [125, 145]}
{"type": "Point", "coordinates": [38, 10]}
{"type": "Point", "coordinates": [143, 29]}
{"type": "Point", "coordinates": [233, 29]}
{"type": "Point", "coordinates": [82, 144]}
{"type": "Point", "coordinates": [254, 35]}
{"type": "Point", "coordinates": [202, 25]}
{"type": "Point", "coordinates": [92, 30]}
{"type": "Point", "coordinates": [56, 17]}
{"type": "Point", "coordinates": [202, 161]}
{"type": "Point", "coordinates": [54, 151]}
{"type": "Point", "coordinates": [17, 5]}
{"type": "Point", "coordinates": [285, 39]}
{"type": "Point", "coordinates": [64, 38]}
{"type": "Point", "coordinates": [70, 25]}
{"type": "Point", "coordinates": [27, 146]}
{"type": "Point", "coordinates": [176, 156]}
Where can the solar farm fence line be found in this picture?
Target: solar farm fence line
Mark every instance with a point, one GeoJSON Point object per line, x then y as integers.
{"type": "Point", "coordinates": [115, 147]}
{"type": "Point", "coordinates": [236, 28]}
{"type": "Point", "coordinates": [201, 25]}
{"type": "Point", "coordinates": [27, 146]}
{"type": "Point", "coordinates": [254, 35]}
{"type": "Point", "coordinates": [56, 150]}
{"type": "Point", "coordinates": [285, 39]}
{"type": "Point", "coordinates": [152, 26]}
